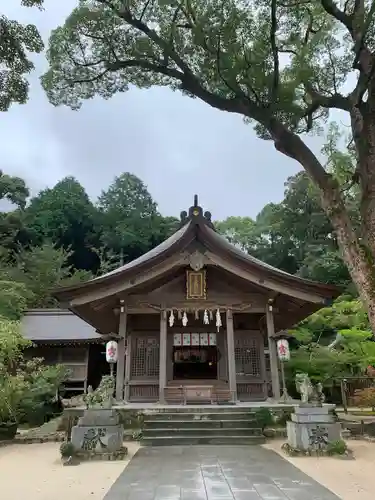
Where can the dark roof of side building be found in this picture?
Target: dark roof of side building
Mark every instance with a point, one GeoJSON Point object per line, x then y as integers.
{"type": "Point", "coordinates": [51, 326]}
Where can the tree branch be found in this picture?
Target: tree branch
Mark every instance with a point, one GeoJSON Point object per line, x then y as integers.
{"type": "Point", "coordinates": [145, 8]}
{"type": "Point", "coordinates": [239, 104]}
{"type": "Point", "coordinates": [127, 16]}
{"type": "Point", "coordinates": [331, 8]}
{"type": "Point", "coordinates": [146, 65]}
{"type": "Point", "coordinates": [275, 53]}
{"type": "Point", "coordinates": [95, 78]}
{"type": "Point", "coordinates": [318, 100]}
{"type": "Point", "coordinates": [293, 146]}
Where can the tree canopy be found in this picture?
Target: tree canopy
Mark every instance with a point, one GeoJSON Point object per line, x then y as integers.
{"type": "Point", "coordinates": [65, 215]}
{"type": "Point", "coordinates": [294, 235]}
{"type": "Point", "coordinates": [16, 43]}
{"type": "Point", "coordinates": [129, 218]}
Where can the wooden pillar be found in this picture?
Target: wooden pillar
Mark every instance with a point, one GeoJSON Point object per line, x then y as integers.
{"type": "Point", "coordinates": [120, 372]}
{"type": "Point", "coordinates": [231, 358]}
{"type": "Point", "coordinates": [163, 356]}
{"type": "Point", "coordinates": [128, 354]}
{"type": "Point", "coordinates": [275, 379]}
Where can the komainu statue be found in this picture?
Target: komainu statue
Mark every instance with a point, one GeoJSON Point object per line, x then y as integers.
{"type": "Point", "coordinates": [310, 394]}
{"type": "Point", "coordinates": [102, 397]}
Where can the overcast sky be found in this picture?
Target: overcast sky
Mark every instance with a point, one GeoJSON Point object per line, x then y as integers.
{"type": "Point", "coordinates": [178, 146]}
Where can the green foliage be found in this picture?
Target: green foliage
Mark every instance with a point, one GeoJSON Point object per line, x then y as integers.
{"type": "Point", "coordinates": [12, 344]}
{"type": "Point", "coordinates": [12, 388]}
{"type": "Point", "coordinates": [67, 450]}
{"type": "Point", "coordinates": [264, 417]}
{"type": "Point", "coordinates": [130, 221]}
{"type": "Point", "coordinates": [42, 269]}
{"type": "Point", "coordinates": [284, 416]}
{"type": "Point", "coordinates": [13, 299]}
{"type": "Point", "coordinates": [294, 235]}
{"type": "Point", "coordinates": [337, 447]}
{"type": "Point", "coordinates": [27, 388]}
{"type": "Point", "coordinates": [321, 364]}
{"type": "Point", "coordinates": [240, 231]}
{"type": "Point", "coordinates": [265, 60]}
{"type": "Point", "coordinates": [13, 189]}
{"type": "Point", "coordinates": [352, 351]}
{"type": "Point", "coordinates": [42, 384]}
{"type": "Point", "coordinates": [344, 315]}
{"type": "Point", "coordinates": [16, 44]}
{"type": "Point", "coordinates": [65, 215]}
{"type": "Point", "coordinates": [12, 383]}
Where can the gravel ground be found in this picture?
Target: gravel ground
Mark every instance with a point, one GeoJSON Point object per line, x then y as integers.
{"type": "Point", "coordinates": [35, 472]}
{"type": "Point", "coordinates": [348, 479]}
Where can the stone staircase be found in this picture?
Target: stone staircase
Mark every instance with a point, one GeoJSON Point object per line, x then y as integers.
{"type": "Point", "coordinates": [188, 426]}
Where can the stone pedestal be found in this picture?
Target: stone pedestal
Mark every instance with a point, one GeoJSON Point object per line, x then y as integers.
{"type": "Point", "coordinates": [98, 431]}
{"type": "Point", "coordinates": [312, 428]}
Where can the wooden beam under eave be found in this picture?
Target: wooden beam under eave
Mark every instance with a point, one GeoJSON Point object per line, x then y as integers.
{"type": "Point", "coordinates": [104, 291]}
{"type": "Point", "coordinates": [141, 310]}
{"type": "Point", "coordinates": [266, 282]}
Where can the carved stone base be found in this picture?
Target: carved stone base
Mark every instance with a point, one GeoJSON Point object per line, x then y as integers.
{"type": "Point", "coordinates": [98, 431]}
{"type": "Point", "coordinates": [312, 428]}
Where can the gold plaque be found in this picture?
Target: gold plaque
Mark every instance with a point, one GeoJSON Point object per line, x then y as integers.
{"type": "Point", "coordinates": [196, 285]}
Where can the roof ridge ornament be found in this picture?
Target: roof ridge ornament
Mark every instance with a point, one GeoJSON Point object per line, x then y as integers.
{"type": "Point", "coordinates": [196, 214]}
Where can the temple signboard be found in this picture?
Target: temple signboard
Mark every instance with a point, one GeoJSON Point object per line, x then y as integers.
{"type": "Point", "coordinates": [196, 285]}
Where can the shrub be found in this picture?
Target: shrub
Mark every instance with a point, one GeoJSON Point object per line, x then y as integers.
{"type": "Point", "coordinates": [27, 388]}
{"type": "Point", "coordinates": [264, 417]}
{"type": "Point", "coordinates": [12, 388]}
{"type": "Point", "coordinates": [337, 447]}
{"type": "Point", "coordinates": [67, 450]}
{"type": "Point", "coordinates": [39, 401]}
{"type": "Point", "coordinates": [284, 417]}
{"type": "Point", "coordinates": [365, 398]}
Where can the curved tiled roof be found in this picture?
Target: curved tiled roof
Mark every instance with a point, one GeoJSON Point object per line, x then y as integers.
{"type": "Point", "coordinates": [154, 252]}
{"type": "Point", "coordinates": [198, 226]}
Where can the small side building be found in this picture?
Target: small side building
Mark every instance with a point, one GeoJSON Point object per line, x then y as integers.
{"type": "Point", "coordinates": [61, 337]}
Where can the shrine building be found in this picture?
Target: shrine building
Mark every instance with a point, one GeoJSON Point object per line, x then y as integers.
{"type": "Point", "coordinates": [195, 319]}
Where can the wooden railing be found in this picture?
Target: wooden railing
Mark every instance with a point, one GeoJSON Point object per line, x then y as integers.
{"type": "Point", "coordinates": [351, 384]}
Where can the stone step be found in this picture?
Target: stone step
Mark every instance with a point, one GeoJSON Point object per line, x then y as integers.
{"type": "Point", "coordinates": [207, 408]}
{"type": "Point", "coordinates": [192, 414]}
{"type": "Point", "coordinates": [177, 432]}
{"type": "Point", "coordinates": [183, 440]}
{"type": "Point", "coordinates": [199, 424]}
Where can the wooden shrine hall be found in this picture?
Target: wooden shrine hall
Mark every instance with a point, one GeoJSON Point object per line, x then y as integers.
{"type": "Point", "coordinates": [196, 319]}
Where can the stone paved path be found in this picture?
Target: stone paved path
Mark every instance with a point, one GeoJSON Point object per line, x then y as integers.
{"type": "Point", "coordinates": [213, 473]}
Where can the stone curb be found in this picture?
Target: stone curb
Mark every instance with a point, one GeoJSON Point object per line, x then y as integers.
{"type": "Point", "coordinates": [33, 440]}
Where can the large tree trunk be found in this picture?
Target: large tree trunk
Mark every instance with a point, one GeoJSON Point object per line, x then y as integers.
{"type": "Point", "coordinates": [365, 144]}
{"type": "Point", "coordinates": [358, 255]}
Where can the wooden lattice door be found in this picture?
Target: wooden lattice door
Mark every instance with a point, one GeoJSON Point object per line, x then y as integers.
{"type": "Point", "coordinates": [144, 372]}
{"type": "Point", "coordinates": [145, 357]}
{"type": "Point", "coordinates": [250, 365]}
